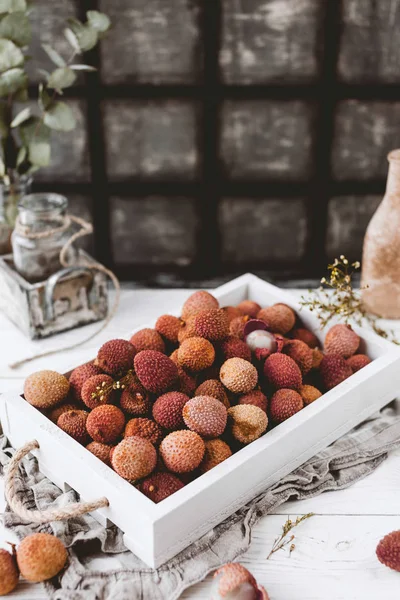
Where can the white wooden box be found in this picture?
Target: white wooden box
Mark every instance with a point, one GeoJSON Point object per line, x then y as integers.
{"type": "Point", "coordinates": [157, 532]}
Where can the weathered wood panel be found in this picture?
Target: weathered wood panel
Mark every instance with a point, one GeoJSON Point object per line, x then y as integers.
{"type": "Point", "coordinates": [370, 50]}
{"type": "Point", "coordinates": [256, 230]}
{"type": "Point", "coordinates": [157, 231]}
{"type": "Point", "coordinates": [364, 134]}
{"type": "Point", "coordinates": [151, 139]}
{"type": "Point", "coordinates": [267, 139]}
{"type": "Point", "coordinates": [348, 218]}
{"type": "Point", "coordinates": [270, 40]}
{"type": "Point", "coordinates": [152, 41]}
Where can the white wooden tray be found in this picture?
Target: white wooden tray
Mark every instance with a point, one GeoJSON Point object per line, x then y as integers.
{"type": "Point", "coordinates": [157, 532]}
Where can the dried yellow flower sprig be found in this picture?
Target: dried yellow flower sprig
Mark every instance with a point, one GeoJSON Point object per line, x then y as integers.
{"type": "Point", "coordinates": [337, 299]}
{"type": "Point", "coordinates": [282, 541]}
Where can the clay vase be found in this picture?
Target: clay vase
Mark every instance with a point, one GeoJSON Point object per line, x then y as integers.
{"type": "Point", "coordinates": [381, 253]}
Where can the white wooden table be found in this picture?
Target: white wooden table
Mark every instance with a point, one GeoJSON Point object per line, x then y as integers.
{"type": "Point", "coordinates": [334, 558]}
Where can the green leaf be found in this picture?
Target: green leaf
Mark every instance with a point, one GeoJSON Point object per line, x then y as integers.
{"type": "Point", "coordinates": [2, 168]}
{"type": "Point", "coordinates": [21, 117]}
{"type": "Point", "coordinates": [60, 117]}
{"type": "Point", "coordinates": [11, 6]}
{"type": "Point", "coordinates": [54, 56]}
{"type": "Point", "coordinates": [98, 21]}
{"type": "Point", "coordinates": [21, 156]}
{"type": "Point", "coordinates": [12, 81]}
{"type": "Point", "coordinates": [61, 78]}
{"type": "Point", "coordinates": [39, 153]}
{"type": "Point", "coordinates": [10, 55]}
{"type": "Point", "coordinates": [44, 99]}
{"type": "Point", "coordinates": [72, 39]}
{"type": "Point", "coordinates": [87, 36]}
{"type": "Point", "coordinates": [34, 130]}
{"type": "Point", "coordinates": [16, 27]}
{"type": "Point", "coordinates": [82, 68]}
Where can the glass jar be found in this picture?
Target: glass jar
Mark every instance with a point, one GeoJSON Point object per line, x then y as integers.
{"type": "Point", "coordinates": [12, 189]}
{"type": "Point", "coordinates": [41, 215]}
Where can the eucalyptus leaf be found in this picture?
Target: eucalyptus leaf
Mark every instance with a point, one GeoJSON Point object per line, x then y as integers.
{"type": "Point", "coordinates": [34, 129]}
{"type": "Point", "coordinates": [44, 99]}
{"type": "Point", "coordinates": [10, 55]}
{"type": "Point", "coordinates": [82, 68]}
{"type": "Point", "coordinates": [87, 36]}
{"type": "Point", "coordinates": [21, 95]}
{"type": "Point", "coordinates": [54, 56]}
{"type": "Point", "coordinates": [98, 21]}
{"type": "Point", "coordinates": [2, 168]}
{"type": "Point", "coordinates": [16, 27]}
{"type": "Point", "coordinates": [12, 81]}
{"type": "Point", "coordinates": [21, 156]}
{"type": "Point", "coordinates": [72, 39]}
{"type": "Point", "coordinates": [12, 6]}
{"type": "Point", "coordinates": [39, 153]}
{"type": "Point", "coordinates": [61, 78]}
{"type": "Point", "coordinates": [21, 117]}
{"type": "Point", "coordinates": [60, 117]}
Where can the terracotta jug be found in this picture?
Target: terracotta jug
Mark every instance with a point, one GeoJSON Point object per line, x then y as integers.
{"type": "Point", "coordinates": [381, 254]}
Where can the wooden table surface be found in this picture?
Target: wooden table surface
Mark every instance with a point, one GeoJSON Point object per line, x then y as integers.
{"type": "Point", "coordinates": [334, 558]}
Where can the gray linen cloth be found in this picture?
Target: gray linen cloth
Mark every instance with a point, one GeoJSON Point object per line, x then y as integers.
{"type": "Point", "coordinates": [351, 458]}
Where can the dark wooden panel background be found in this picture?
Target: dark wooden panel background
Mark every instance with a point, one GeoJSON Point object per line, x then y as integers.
{"type": "Point", "coordinates": [219, 136]}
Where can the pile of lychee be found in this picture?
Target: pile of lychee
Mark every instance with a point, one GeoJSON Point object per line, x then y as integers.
{"type": "Point", "coordinates": [175, 401]}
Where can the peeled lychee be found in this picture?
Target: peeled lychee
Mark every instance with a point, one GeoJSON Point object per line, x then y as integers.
{"type": "Point", "coordinates": [116, 357]}
{"type": "Point", "coordinates": [205, 415]}
{"type": "Point", "coordinates": [102, 451]}
{"type": "Point", "coordinates": [147, 339]}
{"type": "Point", "coordinates": [167, 410]}
{"type": "Point", "coordinates": [159, 486]}
{"type": "Point", "coordinates": [197, 302]}
{"type": "Point", "coordinates": [156, 372]}
{"type": "Point", "coordinates": [306, 336]}
{"type": "Point", "coordinates": [358, 361]}
{"type": "Point", "coordinates": [301, 354]}
{"type": "Point", "coordinates": [98, 390]}
{"type": "Point", "coordinates": [250, 308]}
{"type": "Point", "coordinates": [341, 340]}
{"type": "Point", "coordinates": [144, 428]}
{"type": "Point", "coordinates": [282, 371]}
{"type": "Point", "coordinates": [248, 422]}
{"type": "Point", "coordinates": [216, 452]}
{"type": "Point", "coordinates": [232, 347]}
{"type": "Point", "coordinates": [284, 404]}
{"type": "Point", "coordinates": [214, 388]}
{"type": "Point", "coordinates": [169, 326]}
{"type": "Point", "coordinates": [74, 422]}
{"type": "Point", "coordinates": [309, 393]}
{"type": "Point", "coordinates": [388, 551]}
{"type": "Point", "coordinates": [40, 557]}
{"type": "Point", "coordinates": [134, 458]}
{"type": "Point", "coordinates": [238, 375]}
{"type": "Point", "coordinates": [79, 376]}
{"type": "Point", "coordinates": [182, 451]}
{"type": "Point", "coordinates": [255, 398]}
{"type": "Point", "coordinates": [9, 574]}
{"type": "Point", "coordinates": [105, 424]}
{"type": "Point", "coordinates": [212, 325]}
{"type": "Point", "coordinates": [280, 318]}
{"type": "Point", "coordinates": [334, 369]}
{"type": "Point", "coordinates": [46, 389]}
{"type": "Point", "coordinates": [196, 354]}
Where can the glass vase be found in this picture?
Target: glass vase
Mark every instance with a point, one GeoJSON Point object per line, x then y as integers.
{"type": "Point", "coordinates": [12, 189]}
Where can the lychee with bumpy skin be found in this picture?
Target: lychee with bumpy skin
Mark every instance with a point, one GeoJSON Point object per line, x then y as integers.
{"type": "Point", "coordinates": [159, 486]}
{"type": "Point", "coordinates": [309, 393]}
{"type": "Point", "coordinates": [187, 330]}
{"type": "Point", "coordinates": [79, 376]}
{"type": "Point", "coordinates": [235, 582]}
{"type": "Point", "coordinates": [216, 452]}
{"type": "Point", "coordinates": [156, 372]}
{"type": "Point", "coordinates": [248, 422]}
{"type": "Point", "coordinates": [238, 375]}
{"type": "Point", "coordinates": [306, 336]}
{"type": "Point", "coordinates": [197, 302]}
{"type": "Point", "coordinates": [135, 403]}
{"type": "Point", "coordinates": [45, 389]}
{"type": "Point", "coordinates": [280, 318]}
{"type": "Point", "coordinates": [182, 451]}
{"type": "Point", "coordinates": [231, 312]}
{"type": "Point", "coordinates": [186, 383]}
{"type": "Point", "coordinates": [232, 347]}
{"type": "Point", "coordinates": [147, 339]}
{"type": "Point", "coordinates": [105, 424]}
{"type": "Point", "coordinates": [134, 458]}
{"type": "Point", "coordinates": [284, 404]}
{"type": "Point", "coordinates": [167, 410]}
{"type": "Point", "coordinates": [144, 428]}
{"type": "Point", "coordinates": [255, 398]}
{"type": "Point", "coordinates": [334, 369]}
{"type": "Point", "coordinates": [212, 325]}
{"type": "Point", "coordinates": [9, 574]}
{"type": "Point", "coordinates": [341, 340]}
{"type": "Point", "coordinates": [214, 388]}
{"type": "Point", "coordinates": [98, 390]}
{"type": "Point", "coordinates": [301, 354]}
{"type": "Point", "coordinates": [196, 354]}
{"type": "Point", "coordinates": [101, 451]}
{"type": "Point", "coordinates": [282, 372]}
{"type": "Point", "coordinates": [317, 358]}
{"type": "Point", "coordinates": [249, 308]}
{"type": "Point", "coordinates": [169, 326]}
{"type": "Point", "coordinates": [116, 357]}
{"type": "Point", "coordinates": [59, 410]}
{"type": "Point", "coordinates": [358, 361]}
{"type": "Point", "coordinates": [40, 557]}
{"type": "Point", "coordinates": [388, 551]}
{"type": "Point", "coordinates": [205, 415]}
{"type": "Point", "coordinates": [236, 326]}
{"type": "Point", "coordinates": [74, 422]}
